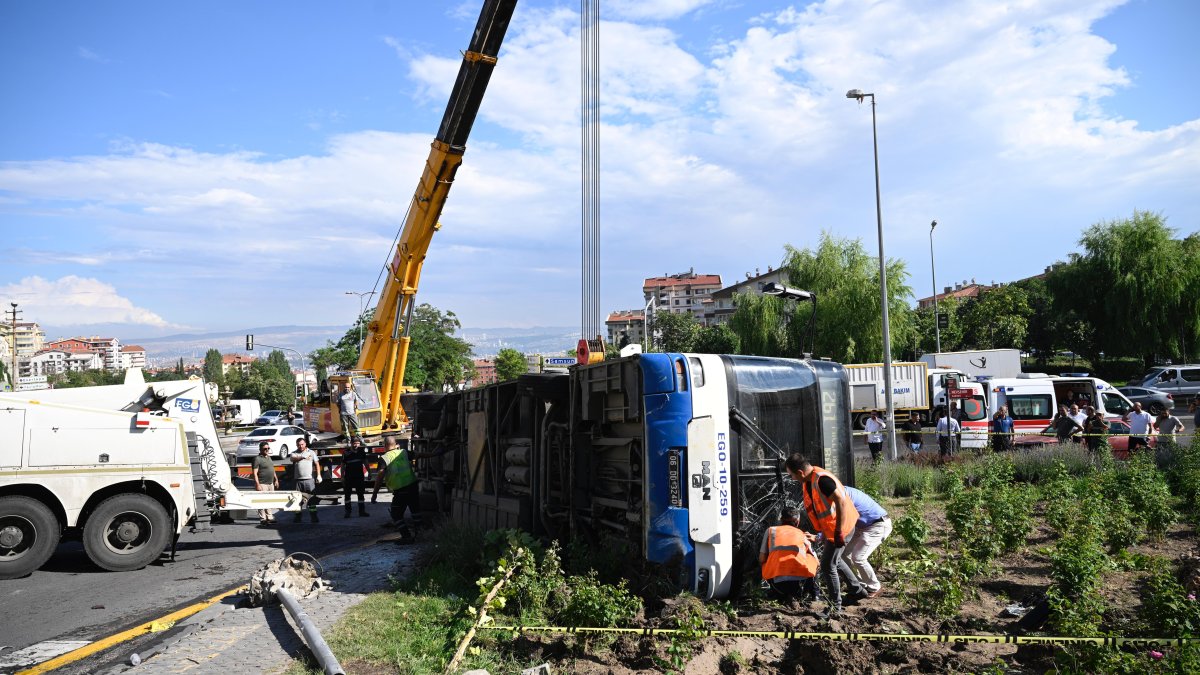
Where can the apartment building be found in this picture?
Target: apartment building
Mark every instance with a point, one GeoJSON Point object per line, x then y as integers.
{"type": "Point", "coordinates": [683, 293]}
{"type": "Point", "coordinates": [722, 307]}
{"type": "Point", "coordinates": [56, 362]}
{"type": "Point", "coordinates": [133, 356]}
{"type": "Point", "coordinates": [240, 361]}
{"type": "Point", "coordinates": [27, 340]}
{"type": "Point", "coordinates": [628, 326]}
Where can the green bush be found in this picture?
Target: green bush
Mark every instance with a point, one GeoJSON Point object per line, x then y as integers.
{"type": "Point", "coordinates": [914, 529]}
{"type": "Point", "coordinates": [993, 517]}
{"type": "Point", "coordinates": [591, 603]}
{"type": "Point", "coordinates": [1183, 473]}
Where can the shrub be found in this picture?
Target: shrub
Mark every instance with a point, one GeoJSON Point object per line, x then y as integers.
{"type": "Point", "coordinates": [913, 528]}
{"type": "Point", "coordinates": [1183, 473]}
{"type": "Point", "coordinates": [591, 603]}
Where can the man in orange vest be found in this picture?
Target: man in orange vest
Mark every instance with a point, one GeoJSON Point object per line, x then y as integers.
{"type": "Point", "coordinates": [832, 514]}
{"type": "Point", "coordinates": [788, 562]}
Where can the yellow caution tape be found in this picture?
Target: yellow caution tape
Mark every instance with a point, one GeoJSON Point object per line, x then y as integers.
{"type": "Point", "coordinates": [1110, 641]}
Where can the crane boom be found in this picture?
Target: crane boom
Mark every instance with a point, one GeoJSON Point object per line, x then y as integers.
{"type": "Point", "coordinates": [385, 351]}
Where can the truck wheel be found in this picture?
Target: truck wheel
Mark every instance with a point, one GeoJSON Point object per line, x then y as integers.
{"type": "Point", "coordinates": [126, 532]}
{"type": "Point", "coordinates": [29, 533]}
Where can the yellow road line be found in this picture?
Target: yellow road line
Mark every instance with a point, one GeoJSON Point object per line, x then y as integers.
{"type": "Point", "coordinates": [101, 645]}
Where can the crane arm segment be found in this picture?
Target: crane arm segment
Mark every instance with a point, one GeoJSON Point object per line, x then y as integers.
{"type": "Point", "coordinates": [385, 351]}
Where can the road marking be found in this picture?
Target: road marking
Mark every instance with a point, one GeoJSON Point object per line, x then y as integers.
{"type": "Point", "coordinates": [154, 625]}
{"type": "Point", "coordinates": [101, 645]}
{"type": "Point", "coordinates": [39, 652]}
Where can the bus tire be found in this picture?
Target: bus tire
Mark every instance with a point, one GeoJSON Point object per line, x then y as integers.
{"type": "Point", "coordinates": [126, 532]}
{"type": "Point", "coordinates": [29, 533]}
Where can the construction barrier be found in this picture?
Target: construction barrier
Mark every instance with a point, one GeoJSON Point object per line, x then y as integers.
{"type": "Point", "coordinates": [1115, 642]}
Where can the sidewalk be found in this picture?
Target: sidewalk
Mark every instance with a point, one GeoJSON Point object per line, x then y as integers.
{"type": "Point", "coordinates": [226, 638]}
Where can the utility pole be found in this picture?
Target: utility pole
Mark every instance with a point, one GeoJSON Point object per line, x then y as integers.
{"type": "Point", "coordinates": [14, 314]}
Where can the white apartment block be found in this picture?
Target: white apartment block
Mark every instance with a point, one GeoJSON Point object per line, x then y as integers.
{"type": "Point", "coordinates": [55, 362]}
{"type": "Point", "coordinates": [28, 339]}
{"type": "Point", "coordinates": [684, 293]}
{"type": "Point", "coordinates": [133, 356]}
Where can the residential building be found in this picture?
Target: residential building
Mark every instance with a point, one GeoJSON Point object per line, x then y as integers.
{"type": "Point", "coordinates": [485, 372]}
{"type": "Point", "coordinates": [627, 325]}
{"type": "Point", "coordinates": [240, 361]}
{"type": "Point", "coordinates": [55, 362]}
{"type": "Point", "coordinates": [109, 349]}
{"type": "Point", "coordinates": [722, 307]}
{"type": "Point", "coordinates": [27, 340]}
{"type": "Point", "coordinates": [683, 293]}
{"type": "Point", "coordinates": [133, 356]}
{"type": "Point", "coordinates": [72, 345]}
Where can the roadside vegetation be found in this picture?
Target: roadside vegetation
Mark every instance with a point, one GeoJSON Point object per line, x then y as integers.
{"type": "Point", "coordinates": [1044, 541]}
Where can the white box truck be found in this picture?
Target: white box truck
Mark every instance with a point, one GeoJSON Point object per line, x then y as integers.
{"type": "Point", "coordinates": [978, 362]}
{"type": "Point", "coordinates": [910, 389]}
{"type": "Point", "coordinates": [126, 466]}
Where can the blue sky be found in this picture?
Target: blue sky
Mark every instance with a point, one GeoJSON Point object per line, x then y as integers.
{"type": "Point", "coordinates": [204, 166]}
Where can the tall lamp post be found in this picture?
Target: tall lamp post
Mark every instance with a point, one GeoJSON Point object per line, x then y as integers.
{"type": "Point", "coordinates": [858, 95]}
{"type": "Point", "coordinates": [360, 313]}
{"type": "Point", "coordinates": [937, 319]}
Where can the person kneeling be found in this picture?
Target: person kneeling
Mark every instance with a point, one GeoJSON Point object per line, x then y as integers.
{"type": "Point", "coordinates": [789, 565]}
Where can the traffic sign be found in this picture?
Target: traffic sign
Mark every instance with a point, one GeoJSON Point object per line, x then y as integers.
{"type": "Point", "coordinates": [559, 361]}
{"type": "Point", "coordinates": [961, 393]}
{"type": "Point", "coordinates": [943, 321]}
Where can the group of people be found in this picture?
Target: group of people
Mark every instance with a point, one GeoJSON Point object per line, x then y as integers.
{"type": "Point", "coordinates": [849, 525]}
{"type": "Point", "coordinates": [393, 470]}
{"type": "Point", "coordinates": [947, 430]}
{"type": "Point", "coordinates": [1089, 426]}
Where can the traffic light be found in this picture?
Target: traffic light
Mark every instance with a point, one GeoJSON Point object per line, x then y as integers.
{"type": "Point", "coordinates": [249, 343]}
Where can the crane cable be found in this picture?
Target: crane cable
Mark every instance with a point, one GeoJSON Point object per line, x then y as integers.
{"type": "Point", "coordinates": [589, 110]}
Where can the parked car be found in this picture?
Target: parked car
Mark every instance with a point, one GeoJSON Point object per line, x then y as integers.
{"type": "Point", "coordinates": [1118, 439]}
{"type": "Point", "coordinates": [1153, 400]}
{"type": "Point", "coordinates": [282, 438]}
{"type": "Point", "coordinates": [279, 417]}
{"type": "Point", "coordinates": [1182, 381]}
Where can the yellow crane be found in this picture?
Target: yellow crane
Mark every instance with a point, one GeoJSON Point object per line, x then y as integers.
{"type": "Point", "coordinates": [379, 375]}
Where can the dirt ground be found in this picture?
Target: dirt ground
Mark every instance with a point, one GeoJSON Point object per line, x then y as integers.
{"type": "Point", "coordinates": [1019, 578]}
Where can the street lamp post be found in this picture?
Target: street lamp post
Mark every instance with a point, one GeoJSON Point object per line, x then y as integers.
{"type": "Point", "coordinates": [883, 294]}
{"type": "Point", "coordinates": [937, 325]}
{"type": "Point", "coordinates": [360, 313]}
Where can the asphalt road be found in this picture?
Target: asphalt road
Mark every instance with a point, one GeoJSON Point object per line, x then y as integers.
{"type": "Point", "coordinates": [72, 599]}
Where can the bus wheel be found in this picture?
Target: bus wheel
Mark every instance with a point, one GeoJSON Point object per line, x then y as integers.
{"type": "Point", "coordinates": [29, 533]}
{"type": "Point", "coordinates": [126, 532]}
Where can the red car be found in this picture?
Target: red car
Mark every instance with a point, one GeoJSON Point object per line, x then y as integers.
{"type": "Point", "coordinates": [1118, 439]}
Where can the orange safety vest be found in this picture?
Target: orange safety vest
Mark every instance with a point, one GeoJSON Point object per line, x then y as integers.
{"type": "Point", "coordinates": [788, 554]}
{"type": "Point", "coordinates": [822, 511]}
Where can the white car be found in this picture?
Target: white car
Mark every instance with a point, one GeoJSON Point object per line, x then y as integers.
{"type": "Point", "coordinates": [282, 438]}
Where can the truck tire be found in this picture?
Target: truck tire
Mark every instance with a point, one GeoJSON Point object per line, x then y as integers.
{"type": "Point", "coordinates": [126, 532]}
{"type": "Point", "coordinates": [29, 533]}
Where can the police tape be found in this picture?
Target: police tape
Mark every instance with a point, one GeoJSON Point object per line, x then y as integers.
{"type": "Point", "coordinates": [1110, 641]}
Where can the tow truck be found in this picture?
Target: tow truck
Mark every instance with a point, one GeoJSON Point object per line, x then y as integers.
{"type": "Point", "coordinates": [124, 467]}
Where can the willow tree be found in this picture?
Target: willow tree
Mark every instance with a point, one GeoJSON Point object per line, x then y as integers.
{"type": "Point", "coordinates": [1136, 285]}
{"type": "Point", "coordinates": [845, 279]}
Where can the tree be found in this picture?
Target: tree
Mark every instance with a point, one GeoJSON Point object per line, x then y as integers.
{"type": "Point", "coordinates": [845, 280]}
{"type": "Point", "coordinates": [717, 340]}
{"type": "Point", "coordinates": [179, 370]}
{"type": "Point", "coordinates": [997, 319]}
{"type": "Point", "coordinates": [213, 370]}
{"type": "Point", "coordinates": [343, 353]}
{"type": "Point", "coordinates": [1135, 285]}
{"type": "Point", "coordinates": [436, 359]}
{"type": "Point", "coordinates": [925, 334]}
{"type": "Point", "coordinates": [278, 363]}
{"type": "Point", "coordinates": [265, 383]}
{"type": "Point", "coordinates": [509, 364]}
{"type": "Point", "coordinates": [675, 332]}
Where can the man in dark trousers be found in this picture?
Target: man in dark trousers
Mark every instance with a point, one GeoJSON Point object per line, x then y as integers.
{"type": "Point", "coordinates": [397, 472]}
{"type": "Point", "coordinates": [354, 463]}
{"type": "Point", "coordinates": [789, 565]}
{"type": "Point", "coordinates": [832, 513]}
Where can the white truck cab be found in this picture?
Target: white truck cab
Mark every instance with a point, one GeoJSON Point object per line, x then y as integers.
{"type": "Point", "coordinates": [127, 466]}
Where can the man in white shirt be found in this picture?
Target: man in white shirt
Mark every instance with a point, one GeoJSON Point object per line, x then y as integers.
{"type": "Point", "coordinates": [875, 427]}
{"type": "Point", "coordinates": [1139, 423]}
{"type": "Point", "coordinates": [949, 434]}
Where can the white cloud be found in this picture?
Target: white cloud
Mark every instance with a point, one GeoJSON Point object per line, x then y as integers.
{"type": "Point", "coordinates": [651, 9]}
{"type": "Point", "coordinates": [85, 53]}
{"type": "Point", "coordinates": [714, 153]}
{"type": "Point", "coordinates": [73, 300]}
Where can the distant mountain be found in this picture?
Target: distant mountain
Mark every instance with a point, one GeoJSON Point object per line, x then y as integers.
{"type": "Point", "coordinates": [167, 349]}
